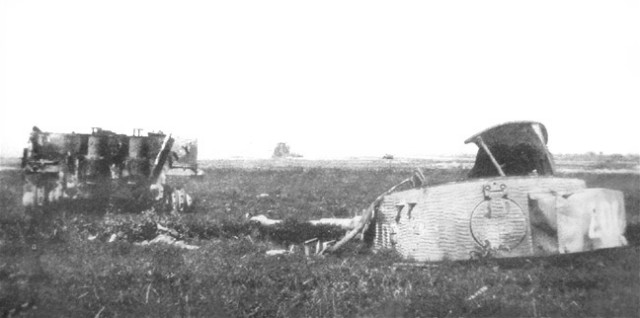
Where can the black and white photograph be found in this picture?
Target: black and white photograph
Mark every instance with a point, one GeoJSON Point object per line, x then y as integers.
{"type": "Point", "coordinates": [319, 158]}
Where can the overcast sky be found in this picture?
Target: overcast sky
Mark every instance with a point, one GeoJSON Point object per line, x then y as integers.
{"type": "Point", "coordinates": [333, 79]}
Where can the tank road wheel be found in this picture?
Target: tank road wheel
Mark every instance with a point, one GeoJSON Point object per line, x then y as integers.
{"type": "Point", "coordinates": [29, 195]}
{"type": "Point", "coordinates": [180, 200]}
{"type": "Point", "coordinates": [34, 194]}
{"type": "Point", "coordinates": [173, 200]}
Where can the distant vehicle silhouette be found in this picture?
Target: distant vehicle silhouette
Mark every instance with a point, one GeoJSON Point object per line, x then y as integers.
{"type": "Point", "coordinates": [283, 150]}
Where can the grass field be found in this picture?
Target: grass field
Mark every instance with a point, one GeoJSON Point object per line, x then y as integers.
{"type": "Point", "coordinates": [48, 267]}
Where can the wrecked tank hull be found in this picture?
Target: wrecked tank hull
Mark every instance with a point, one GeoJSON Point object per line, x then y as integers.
{"type": "Point", "coordinates": [499, 217]}
{"type": "Point", "coordinates": [106, 170]}
{"type": "Point", "coordinates": [510, 205]}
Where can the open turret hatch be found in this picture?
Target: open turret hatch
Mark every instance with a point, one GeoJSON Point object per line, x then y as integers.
{"type": "Point", "coordinates": [512, 149]}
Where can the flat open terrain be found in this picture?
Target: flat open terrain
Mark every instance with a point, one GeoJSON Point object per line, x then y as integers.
{"type": "Point", "coordinates": [50, 268]}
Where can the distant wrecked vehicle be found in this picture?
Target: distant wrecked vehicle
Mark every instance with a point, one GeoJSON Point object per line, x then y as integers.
{"type": "Point", "coordinates": [510, 205]}
{"type": "Point", "coordinates": [105, 169]}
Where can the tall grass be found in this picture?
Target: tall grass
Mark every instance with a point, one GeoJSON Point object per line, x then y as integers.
{"type": "Point", "coordinates": [49, 268]}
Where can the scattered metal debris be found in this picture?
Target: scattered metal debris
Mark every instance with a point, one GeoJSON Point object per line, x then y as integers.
{"type": "Point", "coordinates": [264, 220]}
{"type": "Point", "coordinates": [164, 235]}
{"type": "Point", "coordinates": [344, 223]}
{"type": "Point", "coordinates": [478, 293]}
{"type": "Point", "coordinates": [277, 252]}
{"type": "Point", "coordinates": [166, 239]}
{"type": "Point", "coordinates": [310, 247]}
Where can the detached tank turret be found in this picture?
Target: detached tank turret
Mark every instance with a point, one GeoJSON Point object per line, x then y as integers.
{"type": "Point", "coordinates": [105, 169]}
